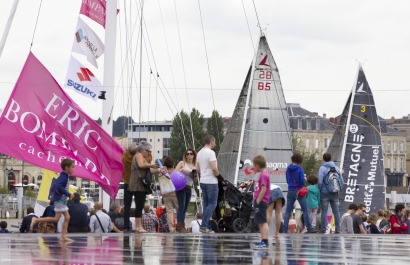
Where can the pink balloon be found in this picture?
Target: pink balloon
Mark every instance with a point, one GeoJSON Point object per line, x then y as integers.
{"type": "Point", "coordinates": [179, 180]}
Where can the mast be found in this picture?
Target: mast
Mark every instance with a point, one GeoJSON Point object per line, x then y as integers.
{"type": "Point", "coordinates": [109, 76]}
{"type": "Point", "coordinates": [245, 115]}
{"type": "Point", "coordinates": [8, 26]}
{"type": "Point", "coordinates": [349, 116]}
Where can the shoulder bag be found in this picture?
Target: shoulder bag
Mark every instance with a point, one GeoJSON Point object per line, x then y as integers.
{"type": "Point", "coordinates": [98, 219]}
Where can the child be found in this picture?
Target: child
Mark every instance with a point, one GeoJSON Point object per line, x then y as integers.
{"type": "Point", "coordinates": [3, 226]}
{"type": "Point", "coordinates": [261, 199]}
{"type": "Point", "coordinates": [371, 228]}
{"type": "Point", "coordinates": [60, 195]}
{"type": "Point", "coordinates": [313, 199]}
{"type": "Point", "coordinates": [276, 201]}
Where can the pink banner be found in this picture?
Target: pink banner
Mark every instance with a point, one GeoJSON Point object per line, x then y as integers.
{"type": "Point", "coordinates": [94, 9]}
{"type": "Point", "coordinates": [42, 125]}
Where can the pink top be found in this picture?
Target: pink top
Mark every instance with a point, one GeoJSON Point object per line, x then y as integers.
{"type": "Point", "coordinates": [264, 180]}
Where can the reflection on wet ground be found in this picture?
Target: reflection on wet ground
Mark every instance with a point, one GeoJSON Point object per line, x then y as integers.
{"type": "Point", "coordinates": [203, 249]}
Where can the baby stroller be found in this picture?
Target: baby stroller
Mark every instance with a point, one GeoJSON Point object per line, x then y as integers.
{"type": "Point", "coordinates": [235, 209]}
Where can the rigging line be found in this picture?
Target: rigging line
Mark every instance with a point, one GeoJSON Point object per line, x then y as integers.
{"type": "Point", "coordinates": [249, 28]}
{"type": "Point", "coordinates": [140, 114]}
{"type": "Point", "coordinates": [257, 17]}
{"type": "Point", "coordinates": [35, 25]}
{"type": "Point", "coordinates": [209, 73]}
{"type": "Point", "coordinates": [126, 126]}
{"type": "Point", "coordinates": [183, 70]}
{"type": "Point", "coordinates": [169, 56]}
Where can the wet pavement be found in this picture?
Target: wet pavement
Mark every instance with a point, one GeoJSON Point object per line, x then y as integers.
{"type": "Point", "coordinates": [203, 249]}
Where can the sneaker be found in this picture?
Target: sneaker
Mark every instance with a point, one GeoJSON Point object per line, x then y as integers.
{"type": "Point", "coordinates": [206, 230]}
{"type": "Point", "coordinates": [260, 245]}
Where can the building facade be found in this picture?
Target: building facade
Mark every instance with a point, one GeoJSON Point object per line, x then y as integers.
{"type": "Point", "coordinates": [155, 133]}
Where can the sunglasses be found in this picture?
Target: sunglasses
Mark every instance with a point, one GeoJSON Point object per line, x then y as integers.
{"type": "Point", "coordinates": [189, 154]}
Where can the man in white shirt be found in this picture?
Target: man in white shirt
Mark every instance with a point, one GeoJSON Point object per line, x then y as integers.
{"type": "Point", "coordinates": [195, 224]}
{"type": "Point", "coordinates": [100, 222]}
{"type": "Point", "coordinates": [206, 165]}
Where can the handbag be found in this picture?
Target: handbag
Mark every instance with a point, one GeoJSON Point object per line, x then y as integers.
{"type": "Point", "coordinates": [302, 191]}
{"type": "Point", "coordinates": [165, 185]}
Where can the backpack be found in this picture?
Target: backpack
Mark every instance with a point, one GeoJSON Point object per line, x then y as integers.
{"type": "Point", "coordinates": [333, 181]}
{"type": "Point", "coordinates": [163, 223]}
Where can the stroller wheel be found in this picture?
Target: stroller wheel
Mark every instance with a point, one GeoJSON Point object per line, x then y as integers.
{"type": "Point", "coordinates": [239, 225]}
{"type": "Point", "coordinates": [223, 226]}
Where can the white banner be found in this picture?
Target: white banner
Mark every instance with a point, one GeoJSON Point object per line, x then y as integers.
{"type": "Point", "coordinates": [82, 80]}
{"type": "Point", "coordinates": [86, 42]}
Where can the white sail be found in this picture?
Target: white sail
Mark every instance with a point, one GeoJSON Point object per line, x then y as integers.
{"type": "Point", "coordinates": [266, 129]}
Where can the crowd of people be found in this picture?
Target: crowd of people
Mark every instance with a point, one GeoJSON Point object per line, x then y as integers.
{"type": "Point", "coordinates": [313, 194]}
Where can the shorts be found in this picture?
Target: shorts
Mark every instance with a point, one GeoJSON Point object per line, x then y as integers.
{"type": "Point", "coordinates": [260, 212]}
{"type": "Point", "coordinates": [275, 195]}
{"type": "Point", "coordinates": [60, 207]}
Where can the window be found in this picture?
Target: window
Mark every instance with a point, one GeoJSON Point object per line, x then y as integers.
{"type": "Point", "coordinates": [299, 124]}
{"type": "Point", "coordinates": [326, 142]}
{"type": "Point", "coordinates": [401, 164]}
{"type": "Point", "coordinates": [395, 147]}
{"type": "Point", "coordinates": [316, 143]}
{"type": "Point", "coordinates": [395, 164]}
{"type": "Point", "coordinates": [388, 163]}
{"type": "Point", "coordinates": [394, 180]}
{"type": "Point", "coordinates": [308, 124]}
{"type": "Point", "coordinates": [165, 143]}
{"type": "Point", "coordinates": [388, 147]}
{"type": "Point", "coordinates": [401, 147]}
{"type": "Point", "coordinates": [307, 142]}
{"type": "Point", "coordinates": [317, 124]}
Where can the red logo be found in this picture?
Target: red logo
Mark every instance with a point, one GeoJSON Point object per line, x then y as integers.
{"type": "Point", "coordinates": [85, 74]}
{"type": "Point", "coordinates": [248, 171]}
{"type": "Point", "coordinates": [263, 62]}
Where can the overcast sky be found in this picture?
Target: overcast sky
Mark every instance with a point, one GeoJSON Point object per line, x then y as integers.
{"type": "Point", "coordinates": [315, 44]}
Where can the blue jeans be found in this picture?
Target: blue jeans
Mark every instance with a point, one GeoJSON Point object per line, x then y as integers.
{"type": "Point", "coordinates": [209, 201]}
{"type": "Point", "coordinates": [333, 199]}
{"type": "Point", "coordinates": [184, 198]}
{"type": "Point", "coordinates": [291, 198]}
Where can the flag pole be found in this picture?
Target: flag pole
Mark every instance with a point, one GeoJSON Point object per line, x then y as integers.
{"type": "Point", "coordinates": [8, 26]}
{"type": "Point", "coordinates": [109, 76]}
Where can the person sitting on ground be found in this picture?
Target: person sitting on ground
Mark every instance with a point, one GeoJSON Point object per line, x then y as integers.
{"type": "Point", "coordinates": [120, 221]}
{"type": "Point", "coordinates": [150, 220]}
{"type": "Point", "coordinates": [114, 213]}
{"type": "Point", "coordinates": [195, 224]}
{"type": "Point", "coordinates": [100, 222]}
{"type": "Point", "coordinates": [371, 228]}
{"type": "Point", "coordinates": [25, 225]}
{"type": "Point", "coordinates": [346, 223]}
{"type": "Point", "coordinates": [397, 223]}
{"type": "Point", "coordinates": [79, 216]}
{"type": "Point", "coordinates": [358, 227]}
{"type": "Point", "coordinates": [384, 225]}
{"type": "Point", "coordinates": [3, 228]}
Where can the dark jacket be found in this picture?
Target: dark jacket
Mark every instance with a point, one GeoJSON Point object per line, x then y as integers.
{"type": "Point", "coordinates": [59, 188]}
{"type": "Point", "coordinates": [78, 215]}
{"type": "Point", "coordinates": [4, 231]}
{"type": "Point", "coordinates": [295, 173]}
{"type": "Point", "coordinates": [25, 225]}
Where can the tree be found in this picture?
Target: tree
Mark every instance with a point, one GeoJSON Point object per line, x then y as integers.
{"type": "Point", "coordinates": [181, 139]}
{"type": "Point", "coordinates": [215, 127]}
{"type": "Point", "coordinates": [121, 125]}
{"type": "Point", "coordinates": [311, 163]}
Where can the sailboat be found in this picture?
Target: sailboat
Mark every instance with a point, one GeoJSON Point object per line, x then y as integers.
{"type": "Point", "coordinates": [259, 124]}
{"type": "Point", "coordinates": [357, 147]}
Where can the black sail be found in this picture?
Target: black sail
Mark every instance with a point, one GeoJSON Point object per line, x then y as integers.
{"type": "Point", "coordinates": [357, 147]}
